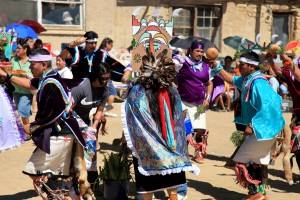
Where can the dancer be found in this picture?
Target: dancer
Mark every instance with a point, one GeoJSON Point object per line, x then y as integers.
{"type": "Point", "coordinates": [92, 93]}
{"type": "Point", "coordinates": [80, 59]}
{"type": "Point", "coordinates": [291, 73]}
{"type": "Point", "coordinates": [153, 117]}
{"type": "Point", "coordinates": [53, 131]}
{"type": "Point", "coordinates": [12, 134]}
{"type": "Point", "coordinates": [195, 89]}
{"type": "Point", "coordinates": [263, 119]}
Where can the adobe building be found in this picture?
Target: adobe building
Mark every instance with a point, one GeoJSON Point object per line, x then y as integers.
{"type": "Point", "coordinates": [66, 20]}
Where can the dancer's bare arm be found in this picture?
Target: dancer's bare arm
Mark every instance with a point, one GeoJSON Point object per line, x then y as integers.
{"type": "Point", "coordinates": [23, 82]}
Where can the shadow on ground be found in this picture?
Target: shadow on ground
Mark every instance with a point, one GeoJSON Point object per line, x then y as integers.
{"type": "Point", "coordinates": [282, 183]}
{"type": "Point", "coordinates": [21, 195]}
{"type": "Point", "coordinates": [105, 147]}
{"type": "Point", "coordinates": [214, 192]}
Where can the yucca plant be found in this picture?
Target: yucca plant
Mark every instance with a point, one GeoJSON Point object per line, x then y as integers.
{"type": "Point", "coordinates": [116, 167]}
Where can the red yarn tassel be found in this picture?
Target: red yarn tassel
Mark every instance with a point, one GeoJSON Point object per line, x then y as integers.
{"type": "Point", "coordinates": [166, 95]}
{"type": "Point", "coordinates": [162, 113]}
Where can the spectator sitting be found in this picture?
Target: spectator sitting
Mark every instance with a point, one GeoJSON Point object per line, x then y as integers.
{"type": "Point", "coordinates": [218, 88]}
{"type": "Point", "coordinates": [225, 95]}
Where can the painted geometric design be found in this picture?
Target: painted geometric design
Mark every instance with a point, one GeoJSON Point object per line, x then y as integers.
{"type": "Point", "coordinates": [154, 34]}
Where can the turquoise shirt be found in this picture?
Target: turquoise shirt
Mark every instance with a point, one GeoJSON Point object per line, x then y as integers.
{"type": "Point", "coordinates": [262, 108]}
{"type": "Point", "coordinates": [16, 65]}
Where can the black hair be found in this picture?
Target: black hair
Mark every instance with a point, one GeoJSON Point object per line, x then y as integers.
{"type": "Point", "coordinates": [152, 96]}
{"type": "Point", "coordinates": [38, 42]}
{"type": "Point", "coordinates": [194, 43]}
{"type": "Point", "coordinates": [23, 43]}
{"type": "Point", "coordinates": [98, 71]}
{"type": "Point", "coordinates": [251, 55]}
{"type": "Point", "coordinates": [90, 35]}
{"type": "Point", "coordinates": [228, 57]}
{"type": "Point", "coordinates": [104, 42]}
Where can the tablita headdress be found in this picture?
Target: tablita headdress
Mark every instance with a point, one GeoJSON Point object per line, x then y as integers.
{"type": "Point", "coordinates": [157, 70]}
{"type": "Point", "coordinates": [257, 46]}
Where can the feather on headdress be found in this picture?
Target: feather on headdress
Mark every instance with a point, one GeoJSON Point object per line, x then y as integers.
{"type": "Point", "coordinates": [157, 70]}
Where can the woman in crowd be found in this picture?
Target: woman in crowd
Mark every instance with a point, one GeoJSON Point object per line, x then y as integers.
{"type": "Point", "coordinates": [62, 69]}
{"type": "Point", "coordinates": [105, 47]}
{"type": "Point", "coordinates": [22, 97]}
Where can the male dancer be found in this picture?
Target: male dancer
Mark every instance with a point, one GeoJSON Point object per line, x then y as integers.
{"type": "Point", "coordinates": [291, 73]}
{"type": "Point", "coordinates": [263, 118]}
{"type": "Point", "coordinates": [54, 129]}
{"type": "Point", "coordinates": [80, 59]}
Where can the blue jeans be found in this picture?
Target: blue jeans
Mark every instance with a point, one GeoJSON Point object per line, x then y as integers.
{"type": "Point", "coordinates": [111, 89]}
{"type": "Point", "coordinates": [23, 103]}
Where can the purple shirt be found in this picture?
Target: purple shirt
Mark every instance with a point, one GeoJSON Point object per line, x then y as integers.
{"type": "Point", "coordinates": [192, 82]}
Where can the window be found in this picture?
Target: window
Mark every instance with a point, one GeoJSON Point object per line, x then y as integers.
{"type": "Point", "coordinates": [282, 26]}
{"type": "Point", "coordinates": [61, 12]}
{"type": "Point", "coordinates": [203, 21]}
{"type": "Point", "coordinates": [14, 10]}
{"type": "Point", "coordinates": [55, 13]}
{"type": "Point", "coordinates": [208, 23]}
{"type": "Point", "coordinates": [183, 24]}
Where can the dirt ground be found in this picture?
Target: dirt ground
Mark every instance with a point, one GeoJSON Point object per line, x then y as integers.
{"type": "Point", "coordinates": [214, 181]}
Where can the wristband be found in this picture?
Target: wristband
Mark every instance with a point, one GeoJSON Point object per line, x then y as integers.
{"type": "Point", "coordinates": [8, 77]}
{"type": "Point", "coordinates": [208, 97]}
{"type": "Point", "coordinates": [286, 63]}
{"type": "Point", "coordinates": [33, 128]}
{"type": "Point", "coordinates": [216, 70]}
{"type": "Point", "coordinates": [250, 125]}
{"type": "Point", "coordinates": [69, 48]}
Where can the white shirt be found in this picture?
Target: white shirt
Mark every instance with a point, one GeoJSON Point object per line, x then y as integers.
{"type": "Point", "coordinates": [65, 73]}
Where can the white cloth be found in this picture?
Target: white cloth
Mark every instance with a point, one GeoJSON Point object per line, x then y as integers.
{"type": "Point", "coordinates": [253, 150]}
{"type": "Point", "coordinates": [65, 73]}
{"type": "Point", "coordinates": [198, 122]}
{"type": "Point", "coordinates": [57, 162]}
{"type": "Point", "coordinates": [274, 84]}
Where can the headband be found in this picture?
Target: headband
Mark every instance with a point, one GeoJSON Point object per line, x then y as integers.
{"type": "Point", "coordinates": [40, 57]}
{"type": "Point", "coordinates": [92, 40]}
{"type": "Point", "coordinates": [197, 46]}
{"type": "Point", "coordinates": [245, 60]}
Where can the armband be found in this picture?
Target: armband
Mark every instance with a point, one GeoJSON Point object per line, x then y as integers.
{"type": "Point", "coordinates": [8, 76]}
{"type": "Point", "coordinates": [216, 70]}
